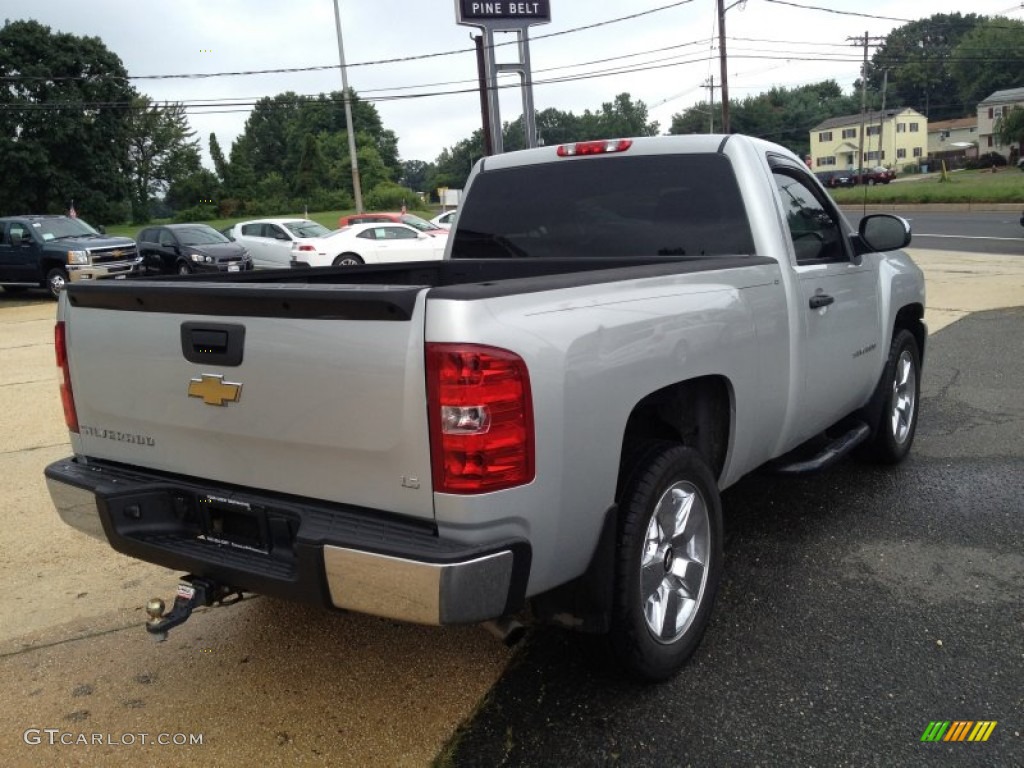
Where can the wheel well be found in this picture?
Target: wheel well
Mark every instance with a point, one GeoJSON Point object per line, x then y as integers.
{"type": "Point", "coordinates": [695, 413]}
{"type": "Point", "coordinates": [911, 317]}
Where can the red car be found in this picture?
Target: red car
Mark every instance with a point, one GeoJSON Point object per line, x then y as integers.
{"type": "Point", "coordinates": [404, 218]}
{"type": "Point", "coordinates": [877, 175]}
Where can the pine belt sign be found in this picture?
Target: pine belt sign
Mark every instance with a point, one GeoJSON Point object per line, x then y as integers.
{"type": "Point", "coordinates": [533, 11]}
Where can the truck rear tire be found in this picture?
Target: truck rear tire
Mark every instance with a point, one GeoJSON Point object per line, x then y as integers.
{"type": "Point", "coordinates": [56, 279]}
{"type": "Point", "coordinates": [668, 561]}
{"type": "Point", "coordinates": [901, 394]}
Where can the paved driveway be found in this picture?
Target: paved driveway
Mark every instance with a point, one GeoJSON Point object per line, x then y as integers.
{"type": "Point", "coordinates": [858, 605]}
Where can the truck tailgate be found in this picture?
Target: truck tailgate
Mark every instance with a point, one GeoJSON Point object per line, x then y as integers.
{"type": "Point", "coordinates": [324, 397]}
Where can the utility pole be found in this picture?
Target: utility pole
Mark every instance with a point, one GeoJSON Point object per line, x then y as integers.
{"type": "Point", "coordinates": [711, 108]}
{"type": "Point", "coordinates": [724, 65]}
{"type": "Point", "coordinates": [863, 95]}
{"type": "Point", "coordinates": [356, 188]}
{"type": "Point", "coordinates": [881, 122]}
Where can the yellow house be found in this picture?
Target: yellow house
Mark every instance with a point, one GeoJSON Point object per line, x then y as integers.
{"type": "Point", "coordinates": [895, 139]}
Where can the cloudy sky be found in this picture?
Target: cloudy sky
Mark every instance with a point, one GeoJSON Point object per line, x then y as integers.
{"type": "Point", "coordinates": [419, 68]}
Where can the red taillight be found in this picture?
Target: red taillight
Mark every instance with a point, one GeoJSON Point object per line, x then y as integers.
{"type": "Point", "coordinates": [481, 418]}
{"type": "Point", "coordinates": [305, 247]}
{"type": "Point", "coordinates": [594, 147]}
{"type": "Point", "coordinates": [67, 397]}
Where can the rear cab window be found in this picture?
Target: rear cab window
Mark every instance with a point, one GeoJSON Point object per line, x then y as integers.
{"type": "Point", "coordinates": [643, 206]}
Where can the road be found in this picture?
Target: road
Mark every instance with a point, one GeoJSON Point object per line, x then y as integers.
{"type": "Point", "coordinates": [822, 585]}
{"type": "Point", "coordinates": [996, 232]}
{"type": "Point", "coordinates": [858, 605]}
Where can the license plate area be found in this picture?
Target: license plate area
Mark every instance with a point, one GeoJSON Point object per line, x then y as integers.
{"type": "Point", "coordinates": [235, 524]}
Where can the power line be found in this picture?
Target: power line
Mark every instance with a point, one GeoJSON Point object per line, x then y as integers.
{"type": "Point", "coordinates": [322, 67]}
{"type": "Point", "coordinates": [841, 13]}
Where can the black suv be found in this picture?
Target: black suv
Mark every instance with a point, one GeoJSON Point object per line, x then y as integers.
{"type": "Point", "coordinates": [47, 251]}
{"type": "Point", "coordinates": [186, 248]}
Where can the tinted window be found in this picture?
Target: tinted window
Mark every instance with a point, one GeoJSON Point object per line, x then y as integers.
{"type": "Point", "coordinates": [199, 235]}
{"type": "Point", "coordinates": [253, 230]}
{"type": "Point", "coordinates": [817, 235]}
{"type": "Point", "coordinates": [421, 224]}
{"type": "Point", "coordinates": [609, 206]}
{"type": "Point", "coordinates": [166, 238]}
{"type": "Point", "coordinates": [307, 229]}
{"type": "Point", "coordinates": [55, 229]}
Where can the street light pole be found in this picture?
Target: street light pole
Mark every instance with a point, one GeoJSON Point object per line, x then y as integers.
{"type": "Point", "coordinates": [348, 113]}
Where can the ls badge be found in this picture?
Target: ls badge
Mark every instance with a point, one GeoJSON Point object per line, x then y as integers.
{"type": "Point", "coordinates": [213, 390]}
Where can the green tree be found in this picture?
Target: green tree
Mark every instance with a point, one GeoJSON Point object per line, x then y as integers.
{"type": "Point", "coordinates": [199, 188]}
{"type": "Point", "coordinates": [782, 115]}
{"type": "Point", "coordinates": [920, 60]}
{"type": "Point", "coordinates": [989, 58]}
{"type": "Point", "coordinates": [311, 173]}
{"type": "Point", "coordinates": [415, 174]}
{"type": "Point", "coordinates": [1010, 128]}
{"type": "Point", "coordinates": [160, 149]}
{"type": "Point", "coordinates": [220, 164]}
{"type": "Point", "coordinates": [63, 124]}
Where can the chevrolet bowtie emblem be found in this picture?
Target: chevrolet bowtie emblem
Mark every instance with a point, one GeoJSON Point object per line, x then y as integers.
{"type": "Point", "coordinates": [214, 390]}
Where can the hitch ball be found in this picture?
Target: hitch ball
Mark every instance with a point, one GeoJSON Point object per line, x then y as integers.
{"type": "Point", "coordinates": [155, 609]}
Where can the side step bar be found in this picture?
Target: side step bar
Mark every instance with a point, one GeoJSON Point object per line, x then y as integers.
{"type": "Point", "coordinates": [831, 453]}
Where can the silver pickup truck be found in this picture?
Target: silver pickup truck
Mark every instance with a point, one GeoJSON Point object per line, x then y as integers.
{"type": "Point", "coordinates": [537, 427]}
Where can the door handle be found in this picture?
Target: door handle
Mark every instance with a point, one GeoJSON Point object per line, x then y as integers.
{"type": "Point", "coordinates": [213, 343]}
{"type": "Point", "coordinates": [821, 300]}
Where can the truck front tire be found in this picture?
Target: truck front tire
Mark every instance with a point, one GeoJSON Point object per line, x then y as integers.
{"type": "Point", "coordinates": [668, 563]}
{"type": "Point", "coordinates": [56, 279]}
{"type": "Point", "coordinates": [901, 394]}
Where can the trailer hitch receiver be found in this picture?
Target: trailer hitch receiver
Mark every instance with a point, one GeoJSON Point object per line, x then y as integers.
{"type": "Point", "coordinates": [193, 592]}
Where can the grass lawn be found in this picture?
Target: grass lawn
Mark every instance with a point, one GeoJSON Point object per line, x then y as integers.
{"type": "Point", "coordinates": [1004, 186]}
{"type": "Point", "coordinates": [328, 218]}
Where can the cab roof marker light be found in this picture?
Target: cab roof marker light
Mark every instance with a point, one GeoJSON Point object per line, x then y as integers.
{"type": "Point", "coordinates": [594, 147]}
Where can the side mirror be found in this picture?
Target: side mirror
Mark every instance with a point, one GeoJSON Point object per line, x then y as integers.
{"type": "Point", "coordinates": [884, 232]}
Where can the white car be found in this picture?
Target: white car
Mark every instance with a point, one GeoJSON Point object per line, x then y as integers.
{"type": "Point", "coordinates": [275, 243]}
{"type": "Point", "coordinates": [445, 219]}
{"type": "Point", "coordinates": [374, 243]}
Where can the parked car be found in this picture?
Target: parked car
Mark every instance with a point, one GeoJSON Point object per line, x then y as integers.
{"type": "Point", "coordinates": [49, 251]}
{"type": "Point", "coordinates": [446, 219]}
{"type": "Point", "coordinates": [186, 248]}
{"type": "Point", "coordinates": [404, 218]}
{"type": "Point", "coordinates": [876, 175]}
{"type": "Point", "coordinates": [832, 179]}
{"type": "Point", "coordinates": [272, 242]}
{"type": "Point", "coordinates": [373, 244]}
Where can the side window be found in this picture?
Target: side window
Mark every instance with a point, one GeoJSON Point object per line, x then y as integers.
{"type": "Point", "coordinates": [274, 231]}
{"type": "Point", "coordinates": [396, 233]}
{"type": "Point", "coordinates": [166, 239]}
{"type": "Point", "coordinates": [20, 230]}
{"type": "Point", "coordinates": [252, 230]}
{"type": "Point", "coordinates": [367, 234]}
{"type": "Point", "coordinates": [817, 235]}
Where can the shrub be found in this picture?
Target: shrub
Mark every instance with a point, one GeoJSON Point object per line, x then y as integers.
{"type": "Point", "coordinates": [389, 196]}
{"type": "Point", "coordinates": [196, 213]}
{"type": "Point", "coordinates": [911, 168]}
{"type": "Point", "coordinates": [988, 160]}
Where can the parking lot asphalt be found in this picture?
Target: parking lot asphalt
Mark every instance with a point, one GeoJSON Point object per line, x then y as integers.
{"type": "Point", "coordinates": [858, 605]}
{"type": "Point", "coordinates": [277, 684]}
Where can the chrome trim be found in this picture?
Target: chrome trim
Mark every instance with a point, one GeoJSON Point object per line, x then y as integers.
{"type": "Point", "coordinates": [77, 507]}
{"type": "Point", "coordinates": [77, 272]}
{"type": "Point", "coordinates": [426, 593]}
